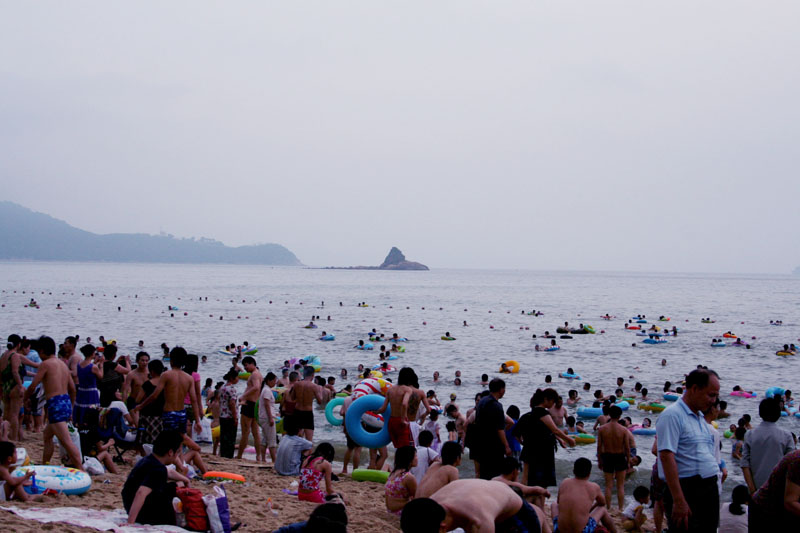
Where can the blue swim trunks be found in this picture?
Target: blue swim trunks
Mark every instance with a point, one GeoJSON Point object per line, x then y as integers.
{"type": "Point", "coordinates": [59, 409]}
{"type": "Point", "coordinates": [174, 420]}
{"type": "Point", "coordinates": [591, 525]}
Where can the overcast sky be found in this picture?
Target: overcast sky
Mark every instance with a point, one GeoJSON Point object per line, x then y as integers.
{"type": "Point", "coordinates": [546, 135]}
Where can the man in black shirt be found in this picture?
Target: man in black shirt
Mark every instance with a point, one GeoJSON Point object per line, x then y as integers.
{"type": "Point", "coordinates": [146, 495]}
{"type": "Point", "coordinates": [490, 420]}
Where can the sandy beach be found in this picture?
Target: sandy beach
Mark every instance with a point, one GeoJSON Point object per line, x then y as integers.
{"type": "Point", "coordinates": [365, 507]}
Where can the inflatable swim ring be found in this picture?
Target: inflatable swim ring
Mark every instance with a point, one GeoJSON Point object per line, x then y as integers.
{"type": "Point", "coordinates": [367, 346]}
{"type": "Point", "coordinates": [328, 338]}
{"type": "Point", "coordinates": [567, 375]}
{"type": "Point", "coordinates": [718, 344]}
{"type": "Point", "coordinates": [244, 375]}
{"type": "Point", "coordinates": [398, 339]}
{"type": "Point", "coordinates": [223, 476]}
{"type": "Point", "coordinates": [392, 358]}
{"type": "Point", "coordinates": [641, 321]}
{"type": "Point", "coordinates": [727, 434]}
{"type": "Point", "coordinates": [375, 374]}
{"type": "Point", "coordinates": [622, 404]}
{"type": "Point", "coordinates": [784, 354]}
{"type": "Point", "coordinates": [22, 458]}
{"type": "Point", "coordinates": [632, 327]}
{"type": "Point", "coordinates": [562, 330]}
{"type": "Point", "coordinates": [670, 397]}
{"type": "Point", "coordinates": [583, 438]}
{"type": "Point", "coordinates": [655, 341]}
{"type": "Point", "coordinates": [774, 391]}
{"type": "Point", "coordinates": [589, 412]}
{"type": "Point", "coordinates": [448, 338]}
{"type": "Point", "coordinates": [58, 478]}
{"type": "Point", "coordinates": [329, 411]}
{"type": "Point", "coordinates": [664, 319]}
{"type": "Point", "coordinates": [512, 366]}
{"type": "Point", "coordinates": [630, 401]}
{"type": "Point", "coordinates": [708, 321]}
{"type": "Point", "coordinates": [389, 368]}
{"type": "Point", "coordinates": [357, 432]}
{"type": "Point", "coordinates": [744, 394]}
{"type": "Point", "coordinates": [364, 474]}
{"type": "Point", "coordinates": [729, 336]}
{"type": "Point", "coordinates": [653, 407]}
{"type": "Point", "coordinates": [589, 329]}
{"type": "Point", "coordinates": [643, 431]}
{"type": "Point", "coordinates": [370, 386]}
{"type": "Point", "coordinates": [311, 326]}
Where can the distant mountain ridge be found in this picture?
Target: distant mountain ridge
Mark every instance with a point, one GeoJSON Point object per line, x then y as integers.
{"type": "Point", "coordinates": [28, 235]}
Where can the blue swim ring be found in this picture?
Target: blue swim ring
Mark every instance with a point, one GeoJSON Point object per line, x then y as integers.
{"type": "Point", "coordinates": [330, 415]}
{"type": "Point", "coordinates": [644, 431]}
{"type": "Point", "coordinates": [772, 391]}
{"type": "Point", "coordinates": [622, 404]}
{"type": "Point", "coordinates": [328, 338]}
{"type": "Point", "coordinates": [589, 412]}
{"type": "Point", "coordinates": [357, 432]}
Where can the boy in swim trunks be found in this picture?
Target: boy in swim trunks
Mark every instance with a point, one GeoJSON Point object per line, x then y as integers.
{"type": "Point", "coordinates": [399, 398]}
{"type": "Point", "coordinates": [248, 410]}
{"type": "Point", "coordinates": [580, 505]}
{"type": "Point", "coordinates": [614, 453]}
{"type": "Point", "coordinates": [59, 390]}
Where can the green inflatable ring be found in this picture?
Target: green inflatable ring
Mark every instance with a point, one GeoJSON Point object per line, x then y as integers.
{"type": "Point", "coordinates": [333, 404]}
{"type": "Point", "coordinates": [364, 474]}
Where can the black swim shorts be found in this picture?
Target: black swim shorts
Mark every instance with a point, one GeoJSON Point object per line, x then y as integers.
{"type": "Point", "coordinates": [249, 410]}
{"type": "Point", "coordinates": [614, 462]}
{"type": "Point", "coordinates": [304, 419]}
{"type": "Point", "coordinates": [525, 521]}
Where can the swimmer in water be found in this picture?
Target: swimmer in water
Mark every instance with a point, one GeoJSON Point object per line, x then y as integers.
{"type": "Point", "coordinates": [204, 359]}
{"type": "Point", "coordinates": [343, 373]}
{"type": "Point", "coordinates": [457, 382]}
{"type": "Point", "coordinates": [573, 398]}
{"type": "Point", "coordinates": [436, 377]}
{"type": "Point", "coordinates": [484, 380]}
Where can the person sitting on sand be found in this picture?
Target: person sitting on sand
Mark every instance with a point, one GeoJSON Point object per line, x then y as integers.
{"type": "Point", "coordinates": [291, 449]}
{"type": "Point", "coordinates": [314, 469]}
{"type": "Point", "coordinates": [474, 505]}
{"type": "Point", "coordinates": [441, 473]}
{"type": "Point", "coordinates": [509, 475]}
{"type": "Point", "coordinates": [401, 485]}
{"type": "Point", "coordinates": [13, 486]}
{"type": "Point", "coordinates": [634, 513]}
{"type": "Point", "coordinates": [146, 495]}
{"type": "Point", "coordinates": [580, 505]}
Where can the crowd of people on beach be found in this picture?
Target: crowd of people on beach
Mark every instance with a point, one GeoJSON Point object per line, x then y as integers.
{"type": "Point", "coordinates": [158, 410]}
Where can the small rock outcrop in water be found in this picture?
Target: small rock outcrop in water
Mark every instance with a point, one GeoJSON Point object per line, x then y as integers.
{"type": "Point", "coordinates": [397, 261]}
{"type": "Point", "coordinates": [394, 261]}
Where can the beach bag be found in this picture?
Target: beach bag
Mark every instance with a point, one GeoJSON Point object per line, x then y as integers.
{"type": "Point", "coordinates": [76, 440]}
{"type": "Point", "coordinates": [93, 466]}
{"type": "Point", "coordinates": [219, 515]}
{"type": "Point", "coordinates": [193, 508]}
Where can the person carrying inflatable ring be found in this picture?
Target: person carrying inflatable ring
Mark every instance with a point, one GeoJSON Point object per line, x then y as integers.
{"type": "Point", "coordinates": [402, 398]}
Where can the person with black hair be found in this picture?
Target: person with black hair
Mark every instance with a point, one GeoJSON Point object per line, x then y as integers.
{"type": "Point", "coordinates": [765, 445]}
{"type": "Point", "coordinates": [776, 505]}
{"type": "Point", "coordinates": [614, 454]}
{"type": "Point", "coordinates": [634, 515]}
{"type": "Point", "coordinates": [580, 505]}
{"type": "Point", "coordinates": [401, 399]}
{"type": "Point", "coordinates": [426, 456]}
{"type": "Point", "coordinates": [228, 415]}
{"type": "Point", "coordinates": [686, 460]}
{"type": "Point", "coordinates": [89, 371]}
{"type": "Point", "coordinates": [267, 413]}
{"type": "Point", "coordinates": [12, 486]}
{"type": "Point", "coordinates": [401, 485]}
{"type": "Point", "coordinates": [441, 473]}
{"type": "Point", "coordinates": [290, 450]}
{"type": "Point", "coordinates": [147, 495]}
{"type": "Point", "coordinates": [176, 385]}
{"type": "Point", "coordinates": [248, 401]}
{"type": "Point", "coordinates": [490, 421]}
{"type": "Point", "coordinates": [509, 475]}
{"type": "Point", "coordinates": [733, 515]}
{"type": "Point", "coordinates": [113, 375]}
{"type": "Point", "coordinates": [474, 505]}
{"type": "Point", "coordinates": [59, 389]}
{"type": "Point", "coordinates": [315, 468]}
{"type": "Point", "coordinates": [538, 434]}
{"type": "Point", "coordinates": [150, 416]}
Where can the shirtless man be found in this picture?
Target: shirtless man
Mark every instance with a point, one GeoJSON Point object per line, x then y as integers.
{"type": "Point", "coordinates": [509, 475]}
{"type": "Point", "coordinates": [441, 473]}
{"type": "Point", "coordinates": [303, 394]}
{"type": "Point", "coordinates": [283, 381]}
{"type": "Point", "coordinates": [72, 357]}
{"type": "Point", "coordinates": [133, 383]}
{"type": "Point", "coordinates": [580, 503]}
{"type": "Point", "coordinates": [399, 399]}
{"type": "Point", "coordinates": [474, 505]}
{"type": "Point", "coordinates": [59, 389]}
{"type": "Point", "coordinates": [175, 384]}
{"type": "Point", "coordinates": [248, 411]}
{"type": "Point", "coordinates": [12, 385]}
{"type": "Point", "coordinates": [461, 422]}
{"type": "Point", "coordinates": [558, 412]}
{"type": "Point", "coordinates": [613, 454]}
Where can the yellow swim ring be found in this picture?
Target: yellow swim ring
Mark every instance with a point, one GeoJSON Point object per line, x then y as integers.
{"type": "Point", "coordinates": [511, 366]}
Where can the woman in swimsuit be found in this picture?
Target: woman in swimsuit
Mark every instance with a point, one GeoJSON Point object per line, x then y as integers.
{"type": "Point", "coordinates": [401, 485]}
{"type": "Point", "coordinates": [313, 469]}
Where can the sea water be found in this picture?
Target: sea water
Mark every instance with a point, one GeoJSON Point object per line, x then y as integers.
{"type": "Point", "coordinates": [268, 306]}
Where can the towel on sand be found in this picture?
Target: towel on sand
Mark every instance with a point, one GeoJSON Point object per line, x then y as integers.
{"type": "Point", "coordinates": [115, 520]}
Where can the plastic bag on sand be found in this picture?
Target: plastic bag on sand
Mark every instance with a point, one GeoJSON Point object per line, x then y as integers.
{"type": "Point", "coordinates": [204, 435]}
{"type": "Point", "coordinates": [93, 466]}
{"type": "Point", "coordinates": [76, 440]}
{"type": "Point", "coordinates": [219, 515]}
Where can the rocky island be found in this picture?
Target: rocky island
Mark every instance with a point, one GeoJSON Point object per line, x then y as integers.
{"type": "Point", "coordinates": [394, 261]}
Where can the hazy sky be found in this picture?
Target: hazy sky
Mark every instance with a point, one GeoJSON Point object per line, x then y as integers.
{"type": "Point", "coordinates": [547, 135]}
